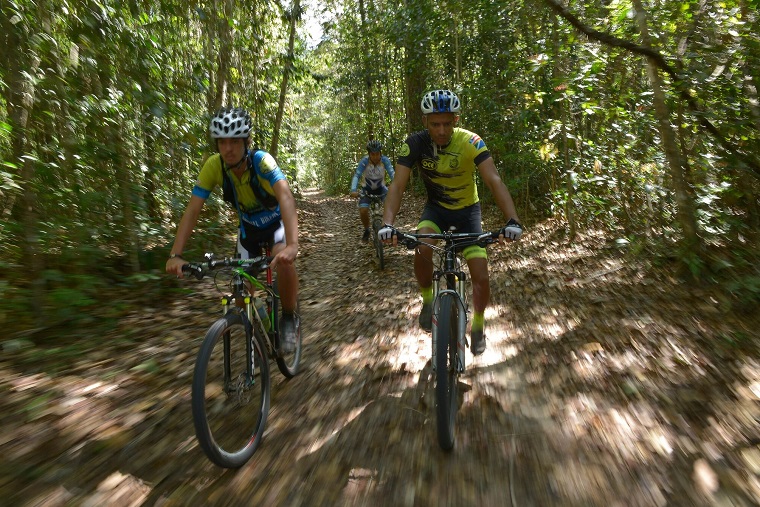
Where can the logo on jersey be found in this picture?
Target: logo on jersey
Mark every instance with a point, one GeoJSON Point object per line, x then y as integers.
{"type": "Point", "coordinates": [476, 141]}
{"type": "Point", "coordinates": [404, 151]}
{"type": "Point", "coordinates": [429, 164]}
{"type": "Point", "coordinates": [267, 164]}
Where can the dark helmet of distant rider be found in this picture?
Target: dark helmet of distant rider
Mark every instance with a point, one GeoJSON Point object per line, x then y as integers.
{"type": "Point", "coordinates": [374, 146]}
{"type": "Point", "coordinates": [374, 149]}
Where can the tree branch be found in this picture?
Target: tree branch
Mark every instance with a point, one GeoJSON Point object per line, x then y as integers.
{"type": "Point", "coordinates": [749, 162]}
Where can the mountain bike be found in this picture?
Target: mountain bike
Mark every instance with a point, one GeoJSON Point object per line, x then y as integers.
{"type": "Point", "coordinates": [376, 220]}
{"type": "Point", "coordinates": [450, 307]}
{"type": "Point", "coordinates": [231, 380]}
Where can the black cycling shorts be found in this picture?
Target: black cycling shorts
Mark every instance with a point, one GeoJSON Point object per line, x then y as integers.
{"type": "Point", "coordinates": [443, 219]}
{"type": "Point", "coordinates": [256, 241]}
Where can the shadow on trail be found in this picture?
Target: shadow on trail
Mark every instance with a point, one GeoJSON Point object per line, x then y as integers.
{"type": "Point", "coordinates": [603, 385]}
{"type": "Point", "coordinates": [388, 454]}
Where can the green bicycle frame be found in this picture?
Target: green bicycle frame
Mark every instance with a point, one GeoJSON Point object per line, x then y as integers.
{"type": "Point", "coordinates": [251, 312]}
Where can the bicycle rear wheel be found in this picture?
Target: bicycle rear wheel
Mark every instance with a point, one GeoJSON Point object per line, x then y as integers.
{"type": "Point", "coordinates": [287, 362]}
{"type": "Point", "coordinates": [446, 372]}
{"type": "Point", "coordinates": [230, 403]}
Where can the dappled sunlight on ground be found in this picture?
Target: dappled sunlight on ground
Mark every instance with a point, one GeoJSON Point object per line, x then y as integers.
{"type": "Point", "coordinates": [76, 417]}
{"type": "Point", "coordinates": [317, 444]}
{"type": "Point", "coordinates": [604, 383]}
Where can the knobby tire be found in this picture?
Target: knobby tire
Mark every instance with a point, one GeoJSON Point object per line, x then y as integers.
{"type": "Point", "coordinates": [286, 362]}
{"type": "Point", "coordinates": [446, 374]}
{"type": "Point", "coordinates": [229, 408]}
{"type": "Point", "coordinates": [379, 250]}
{"type": "Point", "coordinates": [376, 226]}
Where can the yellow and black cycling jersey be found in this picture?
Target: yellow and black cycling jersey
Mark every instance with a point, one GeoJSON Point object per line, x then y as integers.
{"type": "Point", "coordinates": [448, 172]}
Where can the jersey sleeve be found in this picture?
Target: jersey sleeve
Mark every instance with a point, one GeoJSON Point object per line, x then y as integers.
{"type": "Point", "coordinates": [480, 149]}
{"type": "Point", "coordinates": [409, 153]}
{"type": "Point", "coordinates": [209, 178]}
{"type": "Point", "coordinates": [360, 167]}
{"type": "Point", "coordinates": [388, 167]}
{"type": "Point", "coordinates": [267, 170]}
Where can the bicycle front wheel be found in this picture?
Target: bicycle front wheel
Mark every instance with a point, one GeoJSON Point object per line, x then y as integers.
{"type": "Point", "coordinates": [231, 389]}
{"type": "Point", "coordinates": [377, 224]}
{"type": "Point", "coordinates": [379, 251]}
{"type": "Point", "coordinates": [287, 362]}
{"type": "Point", "coordinates": [446, 370]}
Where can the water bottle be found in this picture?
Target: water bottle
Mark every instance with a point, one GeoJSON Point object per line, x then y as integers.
{"type": "Point", "coordinates": [261, 307]}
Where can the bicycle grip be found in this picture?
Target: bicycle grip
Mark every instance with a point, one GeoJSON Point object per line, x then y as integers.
{"type": "Point", "coordinates": [194, 270]}
{"type": "Point", "coordinates": [489, 237]}
{"type": "Point", "coordinates": [406, 240]}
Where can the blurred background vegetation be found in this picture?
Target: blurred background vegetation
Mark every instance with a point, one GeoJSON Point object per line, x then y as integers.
{"type": "Point", "coordinates": [639, 120]}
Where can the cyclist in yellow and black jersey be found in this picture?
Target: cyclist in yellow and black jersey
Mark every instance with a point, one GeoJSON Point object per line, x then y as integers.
{"type": "Point", "coordinates": [448, 172]}
{"type": "Point", "coordinates": [448, 157]}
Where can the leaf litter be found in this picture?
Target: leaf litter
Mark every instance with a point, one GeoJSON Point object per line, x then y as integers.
{"type": "Point", "coordinates": [607, 381]}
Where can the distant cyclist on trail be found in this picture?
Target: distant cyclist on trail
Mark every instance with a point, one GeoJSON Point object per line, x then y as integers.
{"type": "Point", "coordinates": [258, 191]}
{"type": "Point", "coordinates": [374, 166]}
{"type": "Point", "coordinates": [447, 157]}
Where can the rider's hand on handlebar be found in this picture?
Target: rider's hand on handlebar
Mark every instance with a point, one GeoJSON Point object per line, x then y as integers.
{"type": "Point", "coordinates": [512, 231]}
{"type": "Point", "coordinates": [285, 257]}
{"type": "Point", "coordinates": [386, 235]}
{"type": "Point", "coordinates": [174, 266]}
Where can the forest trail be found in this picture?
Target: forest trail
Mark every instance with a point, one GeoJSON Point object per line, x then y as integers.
{"type": "Point", "coordinates": [605, 383]}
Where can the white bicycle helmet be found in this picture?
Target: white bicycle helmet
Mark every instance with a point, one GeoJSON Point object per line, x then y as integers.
{"type": "Point", "coordinates": [440, 101]}
{"type": "Point", "coordinates": [230, 122]}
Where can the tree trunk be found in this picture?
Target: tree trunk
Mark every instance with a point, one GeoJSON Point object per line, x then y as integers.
{"type": "Point", "coordinates": [569, 184]}
{"type": "Point", "coordinates": [23, 65]}
{"type": "Point", "coordinates": [684, 201]}
{"type": "Point", "coordinates": [224, 55]}
{"type": "Point", "coordinates": [367, 69]}
{"type": "Point", "coordinates": [295, 14]}
{"type": "Point", "coordinates": [563, 112]}
{"type": "Point", "coordinates": [126, 194]}
{"type": "Point", "coordinates": [750, 67]}
{"type": "Point", "coordinates": [415, 70]}
{"type": "Point", "coordinates": [154, 169]}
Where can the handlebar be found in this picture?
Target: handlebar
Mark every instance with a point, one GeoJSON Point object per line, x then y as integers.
{"type": "Point", "coordinates": [200, 269]}
{"type": "Point", "coordinates": [458, 240]}
{"type": "Point", "coordinates": [375, 197]}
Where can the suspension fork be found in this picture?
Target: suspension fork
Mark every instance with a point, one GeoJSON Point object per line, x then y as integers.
{"type": "Point", "coordinates": [455, 286]}
{"type": "Point", "coordinates": [248, 319]}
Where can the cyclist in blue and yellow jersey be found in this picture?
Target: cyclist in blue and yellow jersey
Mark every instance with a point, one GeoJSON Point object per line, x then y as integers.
{"type": "Point", "coordinates": [374, 166]}
{"type": "Point", "coordinates": [448, 157]}
{"type": "Point", "coordinates": [258, 191]}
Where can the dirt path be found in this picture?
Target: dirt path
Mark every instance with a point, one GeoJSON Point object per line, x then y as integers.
{"type": "Point", "coordinates": [605, 383]}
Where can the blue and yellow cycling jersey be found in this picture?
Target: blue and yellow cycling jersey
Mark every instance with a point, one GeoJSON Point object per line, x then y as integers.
{"type": "Point", "coordinates": [448, 172]}
{"type": "Point", "coordinates": [260, 211]}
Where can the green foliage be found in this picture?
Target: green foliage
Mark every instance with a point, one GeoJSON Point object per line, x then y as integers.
{"type": "Point", "coordinates": [737, 272]}
{"type": "Point", "coordinates": [118, 102]}
{"type": "Point", "coordinates": [105, 106]}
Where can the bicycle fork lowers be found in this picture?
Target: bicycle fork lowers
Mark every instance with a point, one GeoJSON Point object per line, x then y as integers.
{"type": "Point", "coordinates": [451, 294]}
